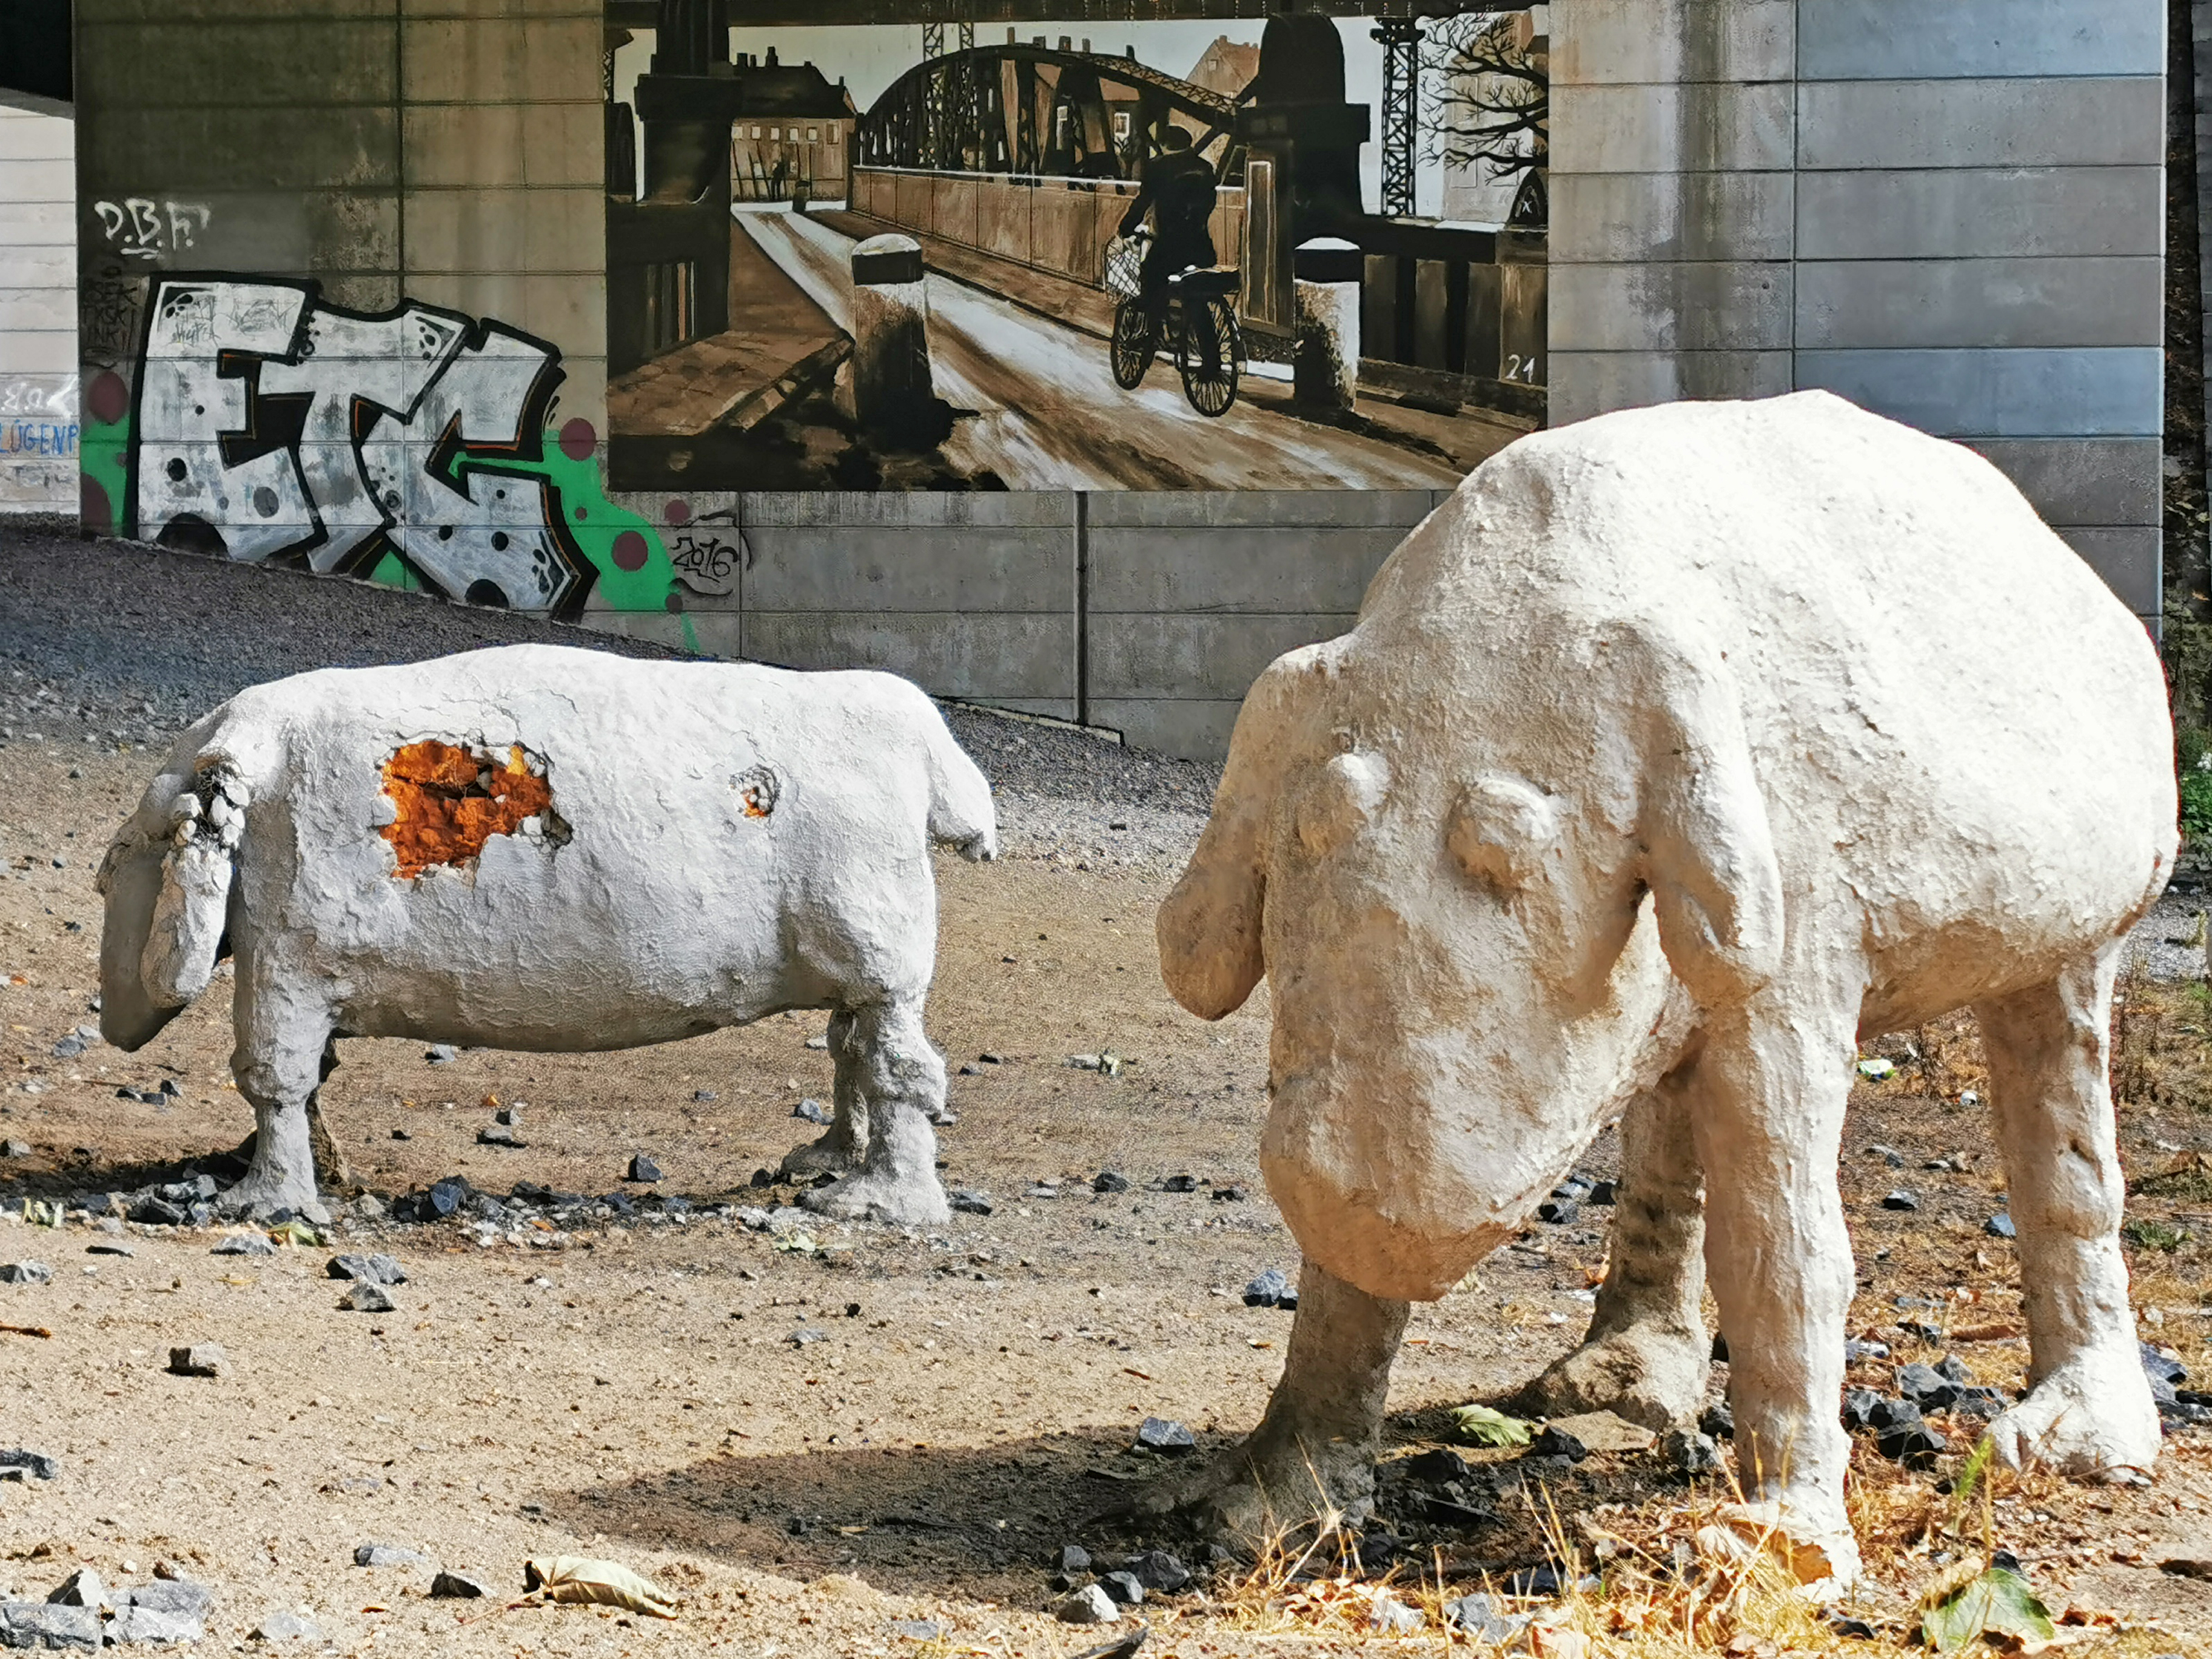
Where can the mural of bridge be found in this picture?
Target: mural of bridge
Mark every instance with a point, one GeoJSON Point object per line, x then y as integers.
{"type": "Point", "coordinates": [1010, 165]}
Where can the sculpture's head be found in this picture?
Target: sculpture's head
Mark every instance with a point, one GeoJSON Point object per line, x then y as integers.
{"type": "Point", "coordinates": [1467, 865]}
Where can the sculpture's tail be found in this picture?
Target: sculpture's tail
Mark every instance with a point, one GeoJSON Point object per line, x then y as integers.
{"type": "Point", "coordinates": [961, 813]}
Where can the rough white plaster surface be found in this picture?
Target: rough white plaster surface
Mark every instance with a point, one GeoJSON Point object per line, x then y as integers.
{"type": "Point", "coordinates": [723, 841]}
{"type": "Point", "coordinates": [1680, 749]}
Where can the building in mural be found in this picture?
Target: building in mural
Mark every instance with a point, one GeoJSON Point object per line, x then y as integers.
{"type": "Point", "coordinates": [1046, 187]}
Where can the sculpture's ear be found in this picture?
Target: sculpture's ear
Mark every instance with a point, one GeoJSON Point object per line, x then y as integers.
{"type": "Point", "coordinates": [1708, 851]}
{"type": "Point", "coordinates": [1209, 927]}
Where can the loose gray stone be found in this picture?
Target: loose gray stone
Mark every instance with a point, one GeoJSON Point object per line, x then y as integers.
{"type": "Point", "coordinates": [1088, 1606]}
{"type": "Point", "coordinates": [511, 1116]}
{"type": "Point", "coordinates": [1156, 1569]}
{"type": "Point", "coordinates": [42, 1625]}
{"type": "Point", "coordinates": [82, 1588]}
{"type": "Point", "coordinates": [134, 1626]}
{"type": "Point", "coordinates": [198, 1359]}
{"type": "Point", "coordinates": [499, 1134]}
{"type": "Point", "coordinates": [365, 1297]}
{"type": "Point", "coordinates": [177, 1596]}
{"type": "Point", "coordinates": [1124, 1587]}
{"type": "Point", "coordinates": [379, 1269]}
{"type": "Point", "coordinates": [1692, 1453]}
{"type": "Point", "coordinates": [391, 1555]}
{"type": "Point", "coordinates": [813, 1111]}
{"type": "Point", "coordinates": [917, 1630]}
{"type": "Point", "coordinates": [1272, 1289]}
{"type": "Point", "coordinates": [643, 1168]}
{"type": "Point", "coordinates": [442, 1054]}
{"type": "Point", "coordinates": [34, 1463]}
{"type": "Point", "coordinates": [1903, 1199]}
{"type": "Point", "coordinates": [109, 1246]}
{"type": "Point", "coordinates": [1073, 1557]}
{"type": "Point", "coordinates": [26, 1273]}
{"type": "Point", "coordinates": [283, 1626]}
{"type": "Point", "coordinates": [1476, 1615]}
{"type": "Point", "coordinates": [1393, 1617]}
{"type": "Point", "coordinates": [1109, 1180]}
{"type": "Point", "coordinates": [2000, 1225]}
{"type": "Point", "coordinates": [15, 1149]}
{"type": "Point", "coordinates": [968, 1203]}
{"type": "Point", "coordinates": [245, 1244]}
{"type": "Point", "coordinates": [457, 1586]}
{"type": "Point", "coordinates": [1165, 1436]}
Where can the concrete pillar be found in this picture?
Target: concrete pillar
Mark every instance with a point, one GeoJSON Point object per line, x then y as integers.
{"type": "Point", "coordinates": [1325, 274]}
{"type": "Point", "coordinates": [891, 384]}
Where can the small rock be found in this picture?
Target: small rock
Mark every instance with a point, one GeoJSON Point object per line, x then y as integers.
{"type": "Point", "coordinates": [1109, 1180]}
{"type": "Point", "coordinates": [818, 1043]}
{"type": "Point", "coordinates": [168, 1595]}
{"type": "Point", "coordinates": [1690, 1454]}
{"type": "Point", "coordinates": [283, 1626]}
{"type": "Point", "coordinates": [111, 1247]}
{"type": "Point", "coordinates": [1180, 1183]}
{"type": "Point", "coordinates": [155, 1211]}
{"type": "Point", "coordinates": [1227, 1193]}
{"type": "Point", "coordinates": [1269, 1289]}
{"type": "Point", "coordinates": [133, 1624]}
{"type": "Point", "coordinates": [643, 1168]}
{"type": "Point", "coordinates": [1158, 1569]}
{"type": "Point", "coordinates": [1088, 1606]}
{"type": "Point", "coordinates": [1164, 1436]}
{"type": "Point", "coordinates": [990, 1058]}
{"type": "Point", "coordinates": [1124, 1587]}
{"type": "Point", "coordinates": [805, 1336]}
{"type": "Point", "coordinates": [1438, 1465]}
{"type": "Point", "coordinates": [15, 1149]}
{"type": "Point", "coordinates": [1856, 1351]}
{"type": "Point", "coordinates": [917, 1630]}
{"type": "Point", "coordinates": [1479, 1618]}
{"type": "Point", "coordinates": [1927, 1387]}
{"type": "Point", "coordinates": [442, 1054]}
{"type": "Point", "coordinates": [1559, 1210]}
{"type": "Point", "coordinates": [379, 1269]}
{"type": "Point", "coordinates": [704, 1096]}
{"type": "Point", "coordinates": [445, 1197]}
{"type": "Point", "coordinates": [1858, 1410]}
{"type": "Point", "coordinates": [245, 1244]}
{"type": "Point", "coordinates": [365, 1297]}
{"type": "Point", "coordinates": [2162, 1367]}
{"type": "Point", "coordinates": [42, 1625]}
{"type": "Point", "coordinates": [1392, 1617]}
{"type": "Point", "coordinates": [2000, 1225]}
{"type": "Point", "coordinates": [1718, 1421]}
{"type": "Point", "coordinates": [968, 1203]}
{"type": "Point", "coordinates": [1953, 1369]}
{"type": "Point", "coordinates": [499, 1134]}
{"type": "Point", "coordinates": [512, 1114]}
{"type": "Point", "coordinates": [966, 1070]}
{"type": "Point", "coordinates": [1603, 1431]}
{"type": "Point", "coordinates": [813, 1111]}
{"type": "Point", "coordinates": [1903, 1199]}
{"type": "Point", "coordinates": [1603, 1193]}
{"type": "Point", "coordinates": [457, 1586]}
{"type": "Point", "coordinates": [390, 1555]}
{"type": "Point", "coordinates": [82, 1588]}
{"type": "Point", "coordinates": [1902, 1436]}
{"type": "Point", "coordinates": [1552, 1442]}
{"type": "Point", "coordinates": [26, 1273]}
{"type": "Point", "coordinates": [36, 1464]}
{"type": "Point", "coordinates": [1073, 1557]}
{"type": "Point", "coordinates": [198, 1359]}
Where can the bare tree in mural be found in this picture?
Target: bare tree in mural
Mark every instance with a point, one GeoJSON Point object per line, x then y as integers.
{"type": "Point", "coordinates": [1487, 93]}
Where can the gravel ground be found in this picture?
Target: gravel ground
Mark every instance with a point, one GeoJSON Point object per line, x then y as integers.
{"type": "Point", "coordinates": [114, 642]}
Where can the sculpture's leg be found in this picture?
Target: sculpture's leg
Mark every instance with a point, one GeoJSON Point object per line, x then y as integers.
{"type": "Point", "coordinates": [840, 1148]}
{"type": "Point", "coordinates": [1647, 1353]}
{"type": "Point", "coordinates": [1313, 1454]}
{"type": "Point", "coordinates": [278, 1064]}
{"type": "Point", "coordinates": [900, 1077]}
{"type": "Point", "coordinates": [1769, 1110]}
{"type": "Point", "coordinates": [332, 1169]}
{"type": "Point", "coordinates": [2089, 1410]}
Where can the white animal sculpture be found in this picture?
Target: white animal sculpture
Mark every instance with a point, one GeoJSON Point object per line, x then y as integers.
{"type": "Point", "coordinates": [1679, 749]}
{"type": "Point", "coordinates": [545, 849]}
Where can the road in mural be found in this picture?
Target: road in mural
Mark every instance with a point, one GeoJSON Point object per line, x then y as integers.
{"type": "Point", "coordinates": [1086, 247]}
{"type": "Point", "coordinates": [269, 423]}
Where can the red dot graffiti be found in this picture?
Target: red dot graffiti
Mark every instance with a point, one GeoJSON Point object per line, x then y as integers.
{"type": "Point", "coordinates": [107, 399]}
{"type": "Point", "coordinates": [93, 504]}
{"type": "Point", "coordinates": [578, 439]}
{"type": "Point", "coordinates": [677, 513]}
{"type": "Point", "coordinates": [629, 551]}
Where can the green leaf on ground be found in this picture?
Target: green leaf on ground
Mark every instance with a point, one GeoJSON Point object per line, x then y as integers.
{"type": "Point", "coordinates": [1486, 1427]}
{"type": "Point", "coordinates": [1997, 1602]}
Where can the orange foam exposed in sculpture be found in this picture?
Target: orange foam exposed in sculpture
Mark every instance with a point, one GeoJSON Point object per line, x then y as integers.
{"type": "Point", "coordinates": [452, 801]}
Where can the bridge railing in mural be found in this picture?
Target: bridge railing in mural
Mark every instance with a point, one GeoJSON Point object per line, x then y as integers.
{"type": "Point", "coordinates": [1454, 311]}
{"type": "Point", "coordinates": [1062, 225]}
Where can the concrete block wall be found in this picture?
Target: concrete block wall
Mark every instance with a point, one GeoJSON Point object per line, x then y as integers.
{"type": "Point", "coordinates": [1951, 214]}
{"type": "Point", "coordinates": [37, 312]}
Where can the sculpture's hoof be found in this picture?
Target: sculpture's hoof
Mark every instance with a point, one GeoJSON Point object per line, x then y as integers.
{"type": "Point", "coordinates": [830, 1155]}
{"type": "Point", "coordinates": [1248, 1495]}
{"type": "Point", "coordinates": [866, 1197]}
{"type": "Point", "coordinates": [1818, 1548]}
{"type": "Point", "coordinates": [264, 1193]}
{"type": "Point", "coordinates": [2092, 1418]}
{"type": "Point", "coordinates": [1647, 1374]}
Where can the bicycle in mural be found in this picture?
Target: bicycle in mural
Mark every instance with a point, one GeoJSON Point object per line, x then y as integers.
{"type": "Point", "coordinates": [1193, 317]}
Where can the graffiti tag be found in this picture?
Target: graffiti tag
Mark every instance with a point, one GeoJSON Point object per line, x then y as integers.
{"type": "Point", "coordinates": [706, 558]}
{"type": "Point", "coordinates": [53, 395]}
{"type": "Point", "coordinates": [276, 424]}
{"type": "Point", "coordinates": [139, 228]}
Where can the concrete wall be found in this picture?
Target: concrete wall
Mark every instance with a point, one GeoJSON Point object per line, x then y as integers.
{"type": "Point", "coordinates": [37, 312]}
{"type": "Point", "coordinates": [1147, 612]}
{"type": "Point", "coordinates": [1952, 214]}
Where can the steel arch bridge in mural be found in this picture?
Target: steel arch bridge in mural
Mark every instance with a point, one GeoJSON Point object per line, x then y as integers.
{"type": "Point", "coordinates": [1027, 108]}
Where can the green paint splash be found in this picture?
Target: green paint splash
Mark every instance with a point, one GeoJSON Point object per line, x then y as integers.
{"type": "Point", "coordinates": [103, 454]}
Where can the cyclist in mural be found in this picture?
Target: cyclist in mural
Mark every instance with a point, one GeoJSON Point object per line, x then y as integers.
{"type": "Point", "coordinates": [1178, 193]}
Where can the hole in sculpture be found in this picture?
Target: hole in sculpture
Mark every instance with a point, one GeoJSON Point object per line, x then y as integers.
{"type": "Point", "coordinates": [453, 799]}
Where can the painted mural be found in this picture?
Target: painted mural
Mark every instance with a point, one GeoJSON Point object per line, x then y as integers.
{"type": "Point", "coordinates": [899, 256]}
{"type": "Point", "coordinates": [417, 446]}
